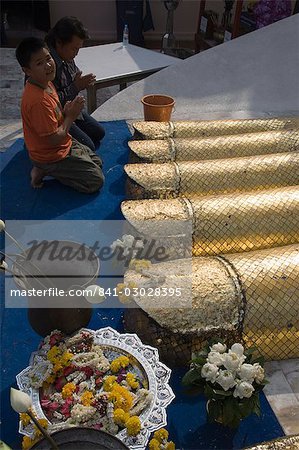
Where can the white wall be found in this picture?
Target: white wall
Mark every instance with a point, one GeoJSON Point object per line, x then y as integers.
{"type": "Point", "coordinates": [99, 17]}
{"type": "Point", "coordinates": [185, 19]}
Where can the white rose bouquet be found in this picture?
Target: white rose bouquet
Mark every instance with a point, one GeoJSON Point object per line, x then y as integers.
{"type": "Point", "coordinates": [231, 379]}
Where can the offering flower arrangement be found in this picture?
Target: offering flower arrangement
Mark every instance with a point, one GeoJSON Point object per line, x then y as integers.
{"type": "Point", "coordinates": [230, 379]}
{"type": "Point", "coordinates": [103, 380]}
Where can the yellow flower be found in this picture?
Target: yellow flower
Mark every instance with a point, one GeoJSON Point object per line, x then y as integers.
{"type": "Point", "coordinates": [57, 367]}
{"type": "Point", "coordinates": [86, 398]}
{"type": "Point", "coordinates": [139, 264]}
{"type": "Point", "coordinates": [121, 397]}
{"type": "Point", "coordinates": [119, 363]}
{"type": "Point", "coordinates": [53, 354]}
{"type": "Point", "coordinates": [67, 390]}
{"type": "Point", "coordinates": [58, 359]}
{"type": "Point", "coordinates": [25, 419]}
{"type": "Point", "coordinates": [51, 379]}
{"type": "Point", "coordinates": [145, 384]}
{"type": "Point", "coordinates": [133, 426]}
{"type": "Point", "coordinates": [159, 441]}
{"type": "Point", "coordinates": [27, 442]}
{"type": "Point", "coordinates": [124, 295]}
{"type": "Point", "coordinates": [131, 380]}
{"type": "Point", "coordinates": [154, 444]}
{"type": "Point", "coordinates": [66, 358]}
{"type": "Point", "coordinates": [120, 287]}
{"type": "Point", "coordinates": [108, 383]}
{"type": "Point", "coordinates": [43, 423]}
{"type": "Point", "coordinates": [120, 417]}
{"type": "Point", "coordinates": [161, 435]}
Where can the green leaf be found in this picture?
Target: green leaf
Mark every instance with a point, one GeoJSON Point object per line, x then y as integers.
{"type": "Point", "coordinates": [231, 412]}
{"type": "Point", "coordinates": [260, 360]}
{"type": "Point", "coordinates": [246, 407]}
{"type": "Point", "coordinates": [250, 351]}
{"type": "Point", "coordinates": [215, 340]}
{"type": "Point", "coordinates": [191, 377]}
{"type": "Point", "coordinates": [223, 393]}
{"type": "Point", "coordinates": [257, 406]}
{"type": "Point", "coordinates": [201, 353]}
{"type": "Point", "coordinates": [201, 360]}
{"type": "Point", "coordinates": [209, 391]}
{"type": "Point", "coordinates": [215, 409]}
{"type": "Point", "coordinates": [250, 405]}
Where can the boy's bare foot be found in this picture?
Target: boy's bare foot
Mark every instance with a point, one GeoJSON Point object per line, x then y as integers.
{"type": "Point", "coordinates": [37, 176]}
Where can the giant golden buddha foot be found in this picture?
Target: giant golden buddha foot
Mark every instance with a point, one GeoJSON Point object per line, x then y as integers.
{"type": "Point", "coordinates": [209, 177]}
{"type": "Point", "coordinates": [253, 296]}
{"type": "Point", "coordinates": [215, 147]}
{"type": "Point", "coordinates": [224, 223]}
{"type": "Point", "coordinates": [202, 128]}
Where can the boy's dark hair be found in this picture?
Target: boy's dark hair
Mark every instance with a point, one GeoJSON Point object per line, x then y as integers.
{"type": "Point", "coordinates": [27, 48]}
{"type": "Point", "coordinates": [65, 29]}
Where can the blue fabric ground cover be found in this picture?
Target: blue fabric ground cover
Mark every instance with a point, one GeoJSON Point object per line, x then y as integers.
{"type": "Point", "coordinates": [187, 421]}
{"type": "Point", "coordinates": [55, 201]}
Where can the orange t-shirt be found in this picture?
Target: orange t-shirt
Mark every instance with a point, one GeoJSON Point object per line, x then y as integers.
{"type": "Point", "coordinates": [41, 116]}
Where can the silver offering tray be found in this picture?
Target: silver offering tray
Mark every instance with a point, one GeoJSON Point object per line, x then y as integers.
{"type": "Point", "coordinates": [154, 372]}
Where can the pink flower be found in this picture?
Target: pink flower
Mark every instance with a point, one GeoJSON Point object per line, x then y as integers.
{"type": "Point", "coordinates": [55, 338]}
{"type": "Point", "coordinates": [60, 382]}
{"type": "Point", "coordinates": [87, 370]}
{"type": "Point", "coordinates": [98, 373]}
{"type": "Point", "coordinates": [66, 408]}
{"type": "Point", "coordinates": [98, 426]}
{"type": "Point", "coordinates": [121, 375]}
{"type": "Point", "coordinates": [45, 403]}
{"type": "Point", "coordinates": [69, 369]}
{"type": "Point", "coordinates": [49, 407]}
{"type": "Point", "coordinates": [99, 380]}
{"type": "Point", "coordinates": [120, 378]}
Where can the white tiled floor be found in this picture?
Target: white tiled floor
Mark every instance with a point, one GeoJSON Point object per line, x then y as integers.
{"type": "Point", "coordinates": [283, 393]}
{"type": "Point", "coordinates": [283, 390]}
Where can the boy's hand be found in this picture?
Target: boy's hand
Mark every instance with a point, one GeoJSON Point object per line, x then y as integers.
{"type": "Point", "coordinates": [82, 82]}
{"type": "Point", "coordinates": [72, 109]}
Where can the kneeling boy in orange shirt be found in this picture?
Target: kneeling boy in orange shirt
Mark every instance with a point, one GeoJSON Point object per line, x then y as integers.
{"type": "Point", "coordinates": [46, 125]}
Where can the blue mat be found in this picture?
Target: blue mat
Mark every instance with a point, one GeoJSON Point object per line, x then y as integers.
{"type": "Point", "coordinates": [55, 201]}
{"type": "Point", "coordinates": [187, 421]}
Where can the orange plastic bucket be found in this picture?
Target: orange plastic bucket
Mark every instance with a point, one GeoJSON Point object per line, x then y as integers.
{"type": "Point", "coordinates": [157, 108]}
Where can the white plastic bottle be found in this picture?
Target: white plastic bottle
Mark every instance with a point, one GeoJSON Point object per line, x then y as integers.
{"type": "Point", "coordinates": [126, 35]}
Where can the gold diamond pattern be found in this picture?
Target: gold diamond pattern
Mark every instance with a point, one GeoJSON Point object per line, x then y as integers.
{"type": "Point", "coordinates": [270, 280]}
{"type": "Point", "coordinates": [202, 128]}
{"type": "Point", "coordinates": [244, 222]}
{"type": "Point", "coordinates": [215, 147]}
{"type": "Point", "coordinates": [240, 180]}
{"type": "Point", "coordinates": [219, 176]}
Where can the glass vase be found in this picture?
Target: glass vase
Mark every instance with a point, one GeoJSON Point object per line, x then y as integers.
{"type": "Point", "coordinates": [219, 418]}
